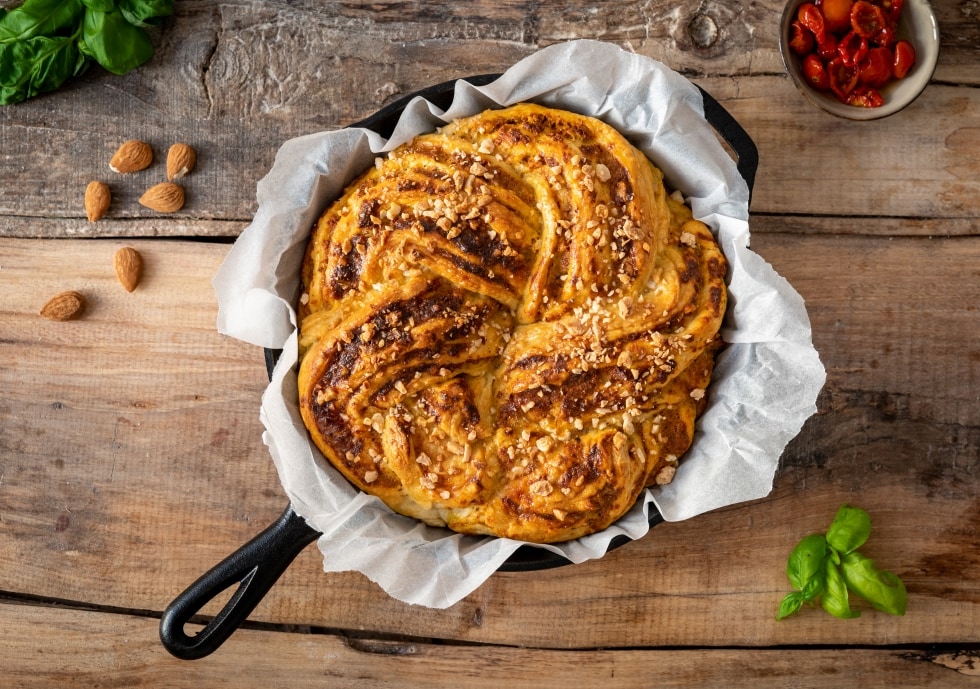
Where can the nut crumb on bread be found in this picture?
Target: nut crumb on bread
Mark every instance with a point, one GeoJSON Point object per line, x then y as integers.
{"type": "Point", "coordinates": [508, 326]}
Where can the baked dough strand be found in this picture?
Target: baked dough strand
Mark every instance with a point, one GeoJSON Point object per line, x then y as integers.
{"type": "Point", "coordinates": [508, 326]}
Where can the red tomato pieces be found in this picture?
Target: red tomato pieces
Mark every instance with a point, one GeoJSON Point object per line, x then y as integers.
{"type": "Point", "coordinates": [816, 74]}
{"type": "Point", "coordinates": [810, 17]}
{"type": "Point", "coordinates": [887, 35]}
{"type": "Point", "coordinates": [891, 8]}
{"type": "Point", "coordinates": [876, 69]}
{"type": "Point", "coordinates": [801, 40]}
{"type": "Point", "coordinates": [843, 78]}
{"type": "Point", "coordinates": [850, 48]}
{"type": "Point", "coordinates": [904, 59]}
{"type": "Point", "coordinates": [865, 97]}
{"type": "Point", "coordinates": [836, 14]}
{"type": "Point", "coordinates": [867, 19]}
{"type": "Point", "coordinates": [827, 46]}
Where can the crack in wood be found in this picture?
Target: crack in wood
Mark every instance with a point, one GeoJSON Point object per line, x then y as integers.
{"type": "Point", "coordinates": [209, 61]}
{"type": "Point", "coordinates": [965, 661]}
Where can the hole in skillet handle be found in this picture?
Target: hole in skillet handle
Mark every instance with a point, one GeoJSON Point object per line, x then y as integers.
{"type": "Point", "coordinates": [529, 558]}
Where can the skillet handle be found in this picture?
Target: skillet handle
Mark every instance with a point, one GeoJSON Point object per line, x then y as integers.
{"type": "Point", "coordinates": [255, 567]}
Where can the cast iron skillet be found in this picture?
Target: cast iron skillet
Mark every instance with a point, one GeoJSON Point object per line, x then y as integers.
{"type": "Point", "coordinates": [258, 564]}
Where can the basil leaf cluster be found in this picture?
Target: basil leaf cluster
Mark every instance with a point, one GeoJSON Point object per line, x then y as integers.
{"type": "Point", "coordinates": [43, 43]}
{"type": "Point", "coordinates": [828, 567]}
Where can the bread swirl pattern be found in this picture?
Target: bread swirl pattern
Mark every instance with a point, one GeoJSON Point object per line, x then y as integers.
{"type": "Point", "coordinates": [507, 326]}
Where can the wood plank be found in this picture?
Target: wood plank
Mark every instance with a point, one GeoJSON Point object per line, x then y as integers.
{"type": "Point", "coordinates": [131, 457]}
{"type": "Point", "coordinates": [322, 69]}
{"type": "Point", "coordinates": [890, 318]}
{"type": "Point", "coordinates": [157, 470]}
{"type": "Point", "coordinates": [932, 174]}
{"type": "Point", "coordinates": [796, 225]}
{"type": "Point", "coordinates": [108, 419]}
{"type": "Point", "coordinates": [48, 648]}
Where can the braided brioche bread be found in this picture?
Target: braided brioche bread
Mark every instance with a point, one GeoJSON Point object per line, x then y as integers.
{"type": "Point", "coordinates": [507, 326]}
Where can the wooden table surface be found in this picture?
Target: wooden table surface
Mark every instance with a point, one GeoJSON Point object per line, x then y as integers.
{"type": "Point", "coordinates": [131, 457]}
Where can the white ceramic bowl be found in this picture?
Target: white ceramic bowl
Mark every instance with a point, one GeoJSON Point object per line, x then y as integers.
{"type": "Point", "coordinates": [917, 25]}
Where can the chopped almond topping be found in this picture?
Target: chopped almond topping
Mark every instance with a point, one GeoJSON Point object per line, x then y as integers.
{"type": "Point", "coordinates": [542, 488]}
{"type": "Point", "coordinates": [443, 269]}
{"type": "Point", "coordinates": [665, 475]}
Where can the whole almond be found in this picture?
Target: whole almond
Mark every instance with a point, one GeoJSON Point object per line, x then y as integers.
{"type": "Point", "coordinates": [129, 267]}
{"type": "Point", "coordinates": [132, 156]}
{"type": "Point", "coordinates": [180, 161]}
{"type": "Point", "coordinates": [97, 199]}
{"type": "Point", "coordinates": [165, 197]}
{"type": "Point", "coordinates": [63, 306]}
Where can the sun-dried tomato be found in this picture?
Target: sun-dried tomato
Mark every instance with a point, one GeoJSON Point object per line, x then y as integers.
{"type": "Point", "coordinates": [904, 59]}
{"type": "Point", "coordinates": [892, 9]}
{"type": "Point", "coordinates": [809, 16]}
{"type": "Point", "coordinates": [843, 78]}
{"type": "Point", "coordinates": [827, 46]}
{"type": "Point", "coordinates": [886, 37]}
{"type": "Point", "coordinates": [867, 19]}
{"type": "Point", "coordinates": [865, 97]}
{"type": "Point", "coordinates": [801, 40]}
{"type": "Point", "coordinates": [852, 49]}
{"type": "Point", "coordinates": [876, 69]}
{"type": "Point", "coordinates": [815, 73]}
{"type": "Point", "coordinates": [837, 14]}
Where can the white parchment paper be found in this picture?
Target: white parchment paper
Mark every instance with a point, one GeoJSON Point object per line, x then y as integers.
{"type": "Point", "coordinates": [766, 380]}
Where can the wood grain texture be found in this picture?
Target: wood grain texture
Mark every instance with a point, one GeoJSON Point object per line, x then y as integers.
{"type": "Point", "coordinates": [157, 468]}
{"type": "Point", "coordinates": [135, 398]}
{"type": "Point", "coordinates": [49, 648]}
{"type": "Point", "coordinates": [280, 70]}
{"type": "Point", "coordinates": [131, 454]}
{"type": "Point", "coordinates": [918, 172]}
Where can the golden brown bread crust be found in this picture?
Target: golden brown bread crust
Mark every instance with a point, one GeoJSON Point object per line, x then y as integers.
{"type": "Point", "coordinates": [507, 326]}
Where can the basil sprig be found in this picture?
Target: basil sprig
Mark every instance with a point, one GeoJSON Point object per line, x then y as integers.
{"type": "Point", "coordinates": [829, 567]}
{"type": "Point", "coordinates": [43, 43]}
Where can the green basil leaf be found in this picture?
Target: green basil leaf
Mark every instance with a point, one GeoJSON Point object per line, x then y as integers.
{"type": "Point", "coordinates": [146, 13]}
{"type": "Point", "coordinates": [115, 44]}
{"type": "Point", "coordinates": [806, 560]}
{"type": "Point", "coordinates": [84, 49]}
{"type": "Point", "coordinates": [834, 598]}
{"type": "Point", "coordinates": [39, 18]}
{"type": "Point", "coordinates": [884, 590]}
{"type": "Point", "coordinates": [814, 587]}
{"type": "Point", "coordinates": [37, 65]}
{"type": "Point", "coordinates": [791, 604]}
{"type": "Point", "coordinates": [100, 5]}
{"type": "Point", "coordinates": [849, 530]}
